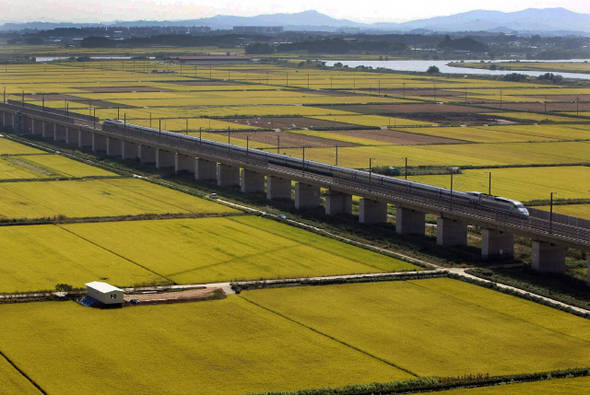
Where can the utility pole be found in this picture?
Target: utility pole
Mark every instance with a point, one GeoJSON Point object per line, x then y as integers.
{"type": "Point", "coordinates": [551, 213]}
{"type": "Point", "coordinates": [489, 176]}
{"type": "Point", "coordinates": [405, 158]}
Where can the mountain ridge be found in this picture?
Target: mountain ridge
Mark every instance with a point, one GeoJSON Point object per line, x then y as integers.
{"type": "Point", "coordinates": [528, 20]}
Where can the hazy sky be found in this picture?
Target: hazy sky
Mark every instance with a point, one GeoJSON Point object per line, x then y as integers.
{"type": "Point", "coordinates": [374, 11]}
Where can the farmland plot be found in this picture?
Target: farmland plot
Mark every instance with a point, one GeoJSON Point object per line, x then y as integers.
{"type": "Point", "coordinates": [13, 382]}
{"type": "Point", "coordinates": [523, 183]}
{"type": "Point", "coordinates": [42, 256]}
{"type": "Point", "coordinates": [8, 147]}
{"type": "Point", "coordinates": [438, 327]}
{"type": "Point", "coordinates": [97, 198]}
{"type": "Point", "coordinates": [224, 347]}
{"type": "Point", "coordinates": [221, 249]}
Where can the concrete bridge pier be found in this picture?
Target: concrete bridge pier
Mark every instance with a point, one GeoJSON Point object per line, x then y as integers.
{"type": "Point", "coordinates": [205, 170]}
{"type": "Point", "coordinates": [59, 133]}
{"type": "Point", "coordinates": [84, 139]}
{"type": "Point", "coordinates": [114, 147]}
{"type": "Point", "coordinates": [372, 212]}
{"type": "Point", "coordinates": [129, 150]}
{"type": "Point", "coordinates": [228, 175]}
{"type": "Point", "coordinates": [451, 232]}
{"type": "Point", "coordinates": [251, 181]}
{"type": "Point", "coordinates": [48, 131]}
{"type": "Point", "coordinates": [496, 244]}
{"type": "Point", "coordinates": [588, 281]}
{"type": "Point", "coordinates": [338, 203]}
{"type": "Point", "coordinates": [547, 257]}
{"type": "Point", "coordinates": [3, 118]}
{"type": "Point", "coordinates": [278, 188]}
{"type": "Point", "coordinates": [165, 158]}
{"type": "Point", "coordinates": [35, 130]}
{"type": "Point", "coordinates": [147, 154]}
{"type": "Point", "coordinates": [72, 136]}
{"type": "Point", "coordinates": [184, 163]}
{"type": "Point", "coordinates": [409, 222]}
{"type": "Point", "coordinates": [307, 196]}
{"type": "Point", "coordinates": [99, 142]}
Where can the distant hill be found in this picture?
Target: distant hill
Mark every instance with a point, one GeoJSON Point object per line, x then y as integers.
{"type": "Point", "coordinates": [530, 21]}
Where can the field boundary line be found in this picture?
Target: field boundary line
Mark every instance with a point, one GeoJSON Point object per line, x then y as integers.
{"type": "Point", "coordinates": [516, 317]}
{"type": "Point", "coordinates": [332, 338]}
{"type": "Point", "coordinates": [114, 253]}
{"type": "Point", "coordinates": [524, 293]}
{"type": "Point", "coordinates": [26, 376]}
{"type": "Point", "coordinates": [336, 253]}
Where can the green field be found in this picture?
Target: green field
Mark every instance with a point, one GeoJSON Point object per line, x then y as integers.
{"type": "Point", "coordinates": [453, 154]}
{"type": "Point", "coordinates": [97, 198]}
{"type": "Point", "coordinates": [42, 256]}
{"type": "Point", "coordinates": [11, 168]}
{"type": "Point", "coordinates": [522, 183]}
{"type": "Point", "coordinates": [222, 347]}
{"type": "Point", "coordinates": [14, 383]}
{"type": "Point", "coordinates": [509, 133]}
{"type": "Point", "coordinates": [222, 249]}
{"type": "Point", "coordinates": [65, 167]}
{"type": "Point", "coordinates": [438, 327]}
{"type": "Point", "coordinates": [8, 147]}
{"type": "Point", "coordinates": [47, 166]}
{"type": "Point", "coordinates": [573, 210]}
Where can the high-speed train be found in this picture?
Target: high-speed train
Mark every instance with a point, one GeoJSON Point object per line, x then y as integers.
{"type": "Point", "coordinates": [476, 198]}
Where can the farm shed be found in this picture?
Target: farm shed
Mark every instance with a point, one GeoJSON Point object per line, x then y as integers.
{"type": "Point", "coordinates": [105, 293]}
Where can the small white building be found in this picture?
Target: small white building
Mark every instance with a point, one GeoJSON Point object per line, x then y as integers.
{"type": "Point", "coordinates": [105, 293]}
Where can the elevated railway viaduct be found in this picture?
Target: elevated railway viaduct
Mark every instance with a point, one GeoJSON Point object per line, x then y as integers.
{"type": "Point", "coordinates": [233, 167]}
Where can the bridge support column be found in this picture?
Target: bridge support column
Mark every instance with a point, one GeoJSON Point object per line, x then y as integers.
{"type": "Point", "coordinates": [99, 143]}
{"type": "Point", "coordinates": [228, 175]}
{"type": "Point", "coordinates": [205, 170]}
{"type": "Point", "coordinates": [307, 196]}
{"type": "Point", "coordinates": [409, 222]}
{"type": "Point", "coordinates": [84, 139]}
{"type": "Point", "coordinates": [496, 244]}
{"type": "Point", "coordinates": [165, 158]}
{"type": "Point", "coordinates": [114, 147]}
{"type": "Point", "coordinates": [185, 163]}
{"type": "Point", "coordinates": [372, 212]}
{"type": "Point", "coordinates": [59, 133]}
{"type": "Point", "coordinates": [278, 188]}
{"type": "Point", "coordinates": [588, 282]}
{"type": "Point", "coordinates": [33, 126]}
{"type": "Point", "coordinates": [72, 136]}
{"type": "Point", "coordinates": [338, 203]}
{"type": "Point", "coordinates": [3, 118]}
{"type": "Point", "coordinates": [252, 182]}
{"type": "Point", "coordinates": [26, 128]}
{"type": "Point", "coordinates": [129, 150]}
{"type": "Point", "coordinates": [48, 131]}
{"type": "Point", "coordinates": [13, 123]}
{"type": "Point", "coordinates": [146, 154]}
{"type": "Point", "coordinates": [547, 257]}
{"type": "Point", "coordinates": [451, 232]}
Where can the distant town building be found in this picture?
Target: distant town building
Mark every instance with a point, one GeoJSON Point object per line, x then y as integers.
{"type": "Point", "coordinates": [258, 29]}
{"type": "Point", "coordinates": [202, 60]}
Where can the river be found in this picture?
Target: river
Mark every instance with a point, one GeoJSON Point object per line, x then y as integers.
{"type": "Point", "coordinates": [423, 65]}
